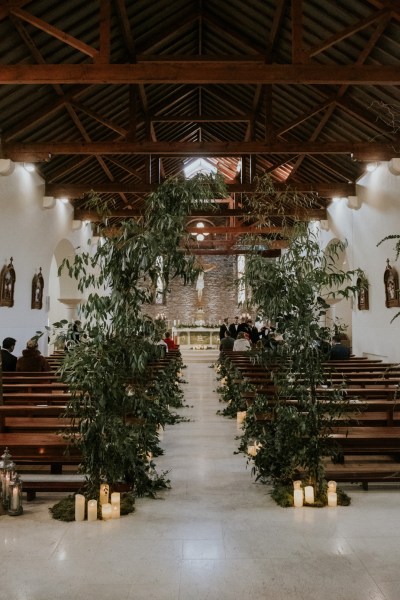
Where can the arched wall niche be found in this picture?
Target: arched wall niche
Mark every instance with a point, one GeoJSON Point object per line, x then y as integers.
{"type": "Point", "coordinates": [64, 296]}
{"type": "Point", "coordinates": [340, 310]}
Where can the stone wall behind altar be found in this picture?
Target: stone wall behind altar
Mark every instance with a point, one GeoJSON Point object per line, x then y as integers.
{"type": "Point", "coordinates": [219, 298]}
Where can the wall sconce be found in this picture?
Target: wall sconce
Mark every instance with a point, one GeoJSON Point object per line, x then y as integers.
{"type": "Point", "coordinates": [372, 166]}
{"type": "Point", "coordinates": [29, 167]}
{"type": "Point", "coordinates": [63, 200]}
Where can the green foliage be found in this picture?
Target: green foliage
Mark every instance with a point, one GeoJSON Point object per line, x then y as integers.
{"type": "Point", "coordinates": [293, 291]}
{"type": "Point", "coordinates": [118, 399]}
{"type": "Point", "coordinates": [283, 496]}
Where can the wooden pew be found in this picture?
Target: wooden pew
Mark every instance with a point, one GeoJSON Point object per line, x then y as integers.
{"type": "Point", "coordinates": [36, 398]}
{"type": "Point", "coordinates": [32, 418]}
{"type": "Point", "coordinates": [40, 448]}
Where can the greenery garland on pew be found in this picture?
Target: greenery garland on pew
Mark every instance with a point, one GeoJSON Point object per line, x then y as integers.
{"type": "Point", "coordinates": [118, 401]}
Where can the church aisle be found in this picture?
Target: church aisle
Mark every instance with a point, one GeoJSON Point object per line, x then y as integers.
{"type": "Point", "coordinates": [216, 535]}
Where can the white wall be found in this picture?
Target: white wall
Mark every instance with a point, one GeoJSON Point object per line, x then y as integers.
{"type": "Point", "coordinates": [30, 234]}
{"type": "Point", "coordinates": [378, 216]}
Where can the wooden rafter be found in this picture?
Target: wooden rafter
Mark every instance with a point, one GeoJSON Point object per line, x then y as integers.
{"type": "Point", "coordinates": [360, 150]}
{"type": "Point", "coordinates": [200, 71]}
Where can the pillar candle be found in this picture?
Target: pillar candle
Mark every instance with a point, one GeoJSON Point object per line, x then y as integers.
{"type": "Point", "coordinates": [79, 507]}
{"type": "Point", "coordinates": [116, 501]}
{"type": "Point", "coordinates": [240, 416]}
{"type": "Point", "coordinates": [104, 492]}
{"type": "Point", "coordinates": [106, 511]}
{"type": "Point", "coordinates": [297, 484]}
{"type": "Point", "coordinates": [332, 499]}
{"type": "Point", "coordinates": [309, 494]}
{"type": "Point", "coordinates": [92, 510]}
{"type": "Point", "coordinates": [115, 511]}
{"type": "Point", "coordinates": [331, 486]}
{"type": "Point", "coordinates": [298, 498]}
{"type": "Point", "coordinates": [252, 450]}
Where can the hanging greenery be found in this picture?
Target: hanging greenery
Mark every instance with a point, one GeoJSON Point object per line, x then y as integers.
{"type": "Point", "coordinates": [118, 399]}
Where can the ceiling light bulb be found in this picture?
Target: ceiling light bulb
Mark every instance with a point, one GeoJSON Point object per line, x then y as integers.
{"type": "Point", "coordinates": [199, 237]}
{"type": "Point", "coordinates": [372, 166]}
{"type": "Point", "coordinates": [29, 167]}
{"type": "Point", "coordinates": [200, 225]}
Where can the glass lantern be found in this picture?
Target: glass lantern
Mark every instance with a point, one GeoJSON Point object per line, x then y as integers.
{"type": "Point", "coordinates": [15, 497]}
{"type": "Point", "coordinates": [7, 467]}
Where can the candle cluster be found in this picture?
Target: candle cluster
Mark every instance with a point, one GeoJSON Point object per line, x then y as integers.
{"type": "Point", "coordinates": [306, 495]}
{"type": "Point", "coordinates": [109, 510]}
{"type": "Point", "coordinates": [10, 486]}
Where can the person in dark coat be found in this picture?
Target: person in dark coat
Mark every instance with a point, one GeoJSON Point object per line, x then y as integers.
{"type": "Point", "coordinates": [226, 343]}
{"type": "Point", "coordinates": [31, 359]}
{"type": "Point", "coordinates": [339, 351]}
{"type": "Point", "coordinates": [234, 328]}
{"type": "Point", "coordinates": [224, 327]}
{"type": "Point", "coordinates": [8, 360]}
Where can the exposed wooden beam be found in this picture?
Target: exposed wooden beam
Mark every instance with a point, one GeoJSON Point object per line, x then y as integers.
{"type": "Point", "coordinates": [54, 32]}
{"type": "Point", "coordinates": [105, 31]}
{"type": "Point", "coordinates": [363, 150]}
{"type": "Point", "coordinates": [239, 230]}
{"type": "Point", "coordinates": [71, 190]}
{"type": "Point", "coordinates": [303, 214]}
{"type": "Point", "coordinates": [201, 71]}
{"type": "Point", "coordinates": [233, 251]}
{"type": "Point", "coordinates": [297, 32]}
{"type": "Point", "coordinates": [201, 119]}
{"type": "Point", "coordinates": [347, 32]}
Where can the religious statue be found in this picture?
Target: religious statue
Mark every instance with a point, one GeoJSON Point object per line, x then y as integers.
{"type": "Point", "coordinates": [37, 290]}
{"type": "Point", "coordinates": [7, 283]}
{"type": "Point", "coordinates": [391, 281]}
{"type": "Point", "coordinates": [200, 279]}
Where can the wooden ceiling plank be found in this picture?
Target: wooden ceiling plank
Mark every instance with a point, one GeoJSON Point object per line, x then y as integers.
{"type": "Point", "coordinates": [228, 32]}
{"type": "Point", "coordinates": [54, 32]}
{"type": "Point", "coordinates": [171, 34]}
{"type": "Point", "coordinates": [18, 151]}
{"type": "Point", "coordinates": [198, 72]}
{"type": "Point", "coordinates": [347, 32]}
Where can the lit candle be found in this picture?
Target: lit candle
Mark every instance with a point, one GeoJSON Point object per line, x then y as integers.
{"type": "Point", "coordinates": [14, 501]}
{"type": "Point", "coordinates": [298, 498]}
{"type": "Point", "coordinates": [106, 511]}
{"type": "Point", "coordinates": [79, 507]}
{"type": "Point", "coordinates": [297, 484]}
{"type": "Point", "coordinates": [240, 416]}
{"type": "Point", "coordinates": [92, 510]}
{"type": "Point", "coordinates": [332, 499]}
{"type": "Point", "coordinates": [309, 494]}
{"type": "Point", "coordinates": [104, 492]}
{"type": "Point", "coordinates": [116, 505]}
{"type": "Point", "coordinates": [331, 486]}
{"type": "Point", "coordinates": [252, 450]}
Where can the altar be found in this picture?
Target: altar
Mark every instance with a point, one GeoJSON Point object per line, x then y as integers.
{"type": "Point", "coordinates": [188, 337]}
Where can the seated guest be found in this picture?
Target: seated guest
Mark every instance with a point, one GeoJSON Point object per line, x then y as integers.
{"type": "Point", "coordinates": [9, 361]}
{"type": "Point", "coordinates": [31, 359]}
{"type": "Point", "coordinates": [338, 351]}
{"type": "Point", "coordinates": [169, 341]}
{"type": "Point", "coordinates": [226, 343]}
{"type": "Point", "coordinates": [241, 344]}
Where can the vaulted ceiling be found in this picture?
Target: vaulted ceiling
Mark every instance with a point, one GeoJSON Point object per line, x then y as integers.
{"type": "Point", "coordinates": [115, 95]}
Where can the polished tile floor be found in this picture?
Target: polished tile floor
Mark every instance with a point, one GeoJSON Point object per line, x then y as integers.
{"type": "Point", "coordinates": [216, 535]}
